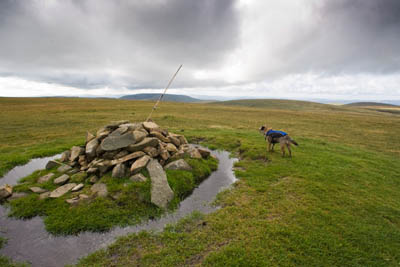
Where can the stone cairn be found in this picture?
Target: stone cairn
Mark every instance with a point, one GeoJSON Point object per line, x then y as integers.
{"type": "Point", "coordinates": [125, 149]}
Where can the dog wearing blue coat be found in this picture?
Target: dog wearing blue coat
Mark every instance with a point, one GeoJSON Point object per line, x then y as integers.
{"type": "Point", "coordinates": [274, 137]}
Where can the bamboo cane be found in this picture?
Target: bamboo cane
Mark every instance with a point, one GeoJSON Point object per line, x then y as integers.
{"type": "Point", "coordinates": [162, 95]}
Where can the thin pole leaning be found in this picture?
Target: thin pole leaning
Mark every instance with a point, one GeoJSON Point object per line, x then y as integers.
{"type": "Point", "coordinates": [162, 95]}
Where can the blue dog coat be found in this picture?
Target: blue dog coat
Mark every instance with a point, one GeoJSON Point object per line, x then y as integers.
{"type": "Point", "coordinates": [272, 132]}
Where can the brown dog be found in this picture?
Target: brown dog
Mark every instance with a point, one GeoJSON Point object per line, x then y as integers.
{"type": "Point", "coordinates": [280, 137]}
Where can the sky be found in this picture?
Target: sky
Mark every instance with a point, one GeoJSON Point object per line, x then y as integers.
{"type": "Point", "coordinates": [294, 49]}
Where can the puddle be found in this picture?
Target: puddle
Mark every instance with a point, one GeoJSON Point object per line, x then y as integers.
{"type": "Point", "coordinates": [28, 240]}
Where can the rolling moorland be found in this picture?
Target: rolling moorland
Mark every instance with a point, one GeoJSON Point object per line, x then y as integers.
{"type": "Point", "coordinates": [336, 202]}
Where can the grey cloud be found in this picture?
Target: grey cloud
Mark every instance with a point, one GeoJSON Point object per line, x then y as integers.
{"type": "Point", "coordinates": [348, 36]}
{"type": "Point", "coordinates": [114, 43]}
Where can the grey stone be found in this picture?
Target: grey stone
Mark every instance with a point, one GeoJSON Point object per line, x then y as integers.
{"type": "Point", "coordinates": [148, 141]}
{"type": "Point", "coordinates": [60, 191]}
{"type": "Point", "coordinates": [164, 154]}
{"type": "Point", "coordinates": [151, 151]}
{"type": "Point", "coordinates": [73, 200]}
{"type": "Point", "coordinates": [100, 189]}
{"type": "Point", "coordinates": [159, 136]}
{"type": "Point", "coordinates": [83, 196]}
{"type": "Point", "coordinates": [113, 142]}
{"type": "Point", "coordinates": [161, 193]}
{"type": "Point", "coordinates": [121, 154]}
{"type": "Point", "coordinates": [52, 164]}
{"type": "Point", "coordinates": [76, 151]}
{"type": "Point", "coordinates": [91, 147]}
{"type": "Point", "coordinates": [89, 137]}
{"type": "Point", "coordinates": [64, 168]}
{"type": "Point", "coordinates": [138, 178]}
{"type": "Point", "coordinates": [150, 126]}
{"type": "Point", "coordinates": [115, 124]}
{"type": "Point", "coordinates": [5, 191]}
{"type": "Point", "coordinates": [204, 153]}
{"type": "Point", "coordinates": [77, 188]}
{"type": "Point", "coordinates": [62, 179]}
{"type": "Point", "coordinates": [73, 171]}
{"type": "Point", "coordinates": [92, 170]}
{"type": "Point", "coordinates": [45, 178]}
{"type": "Point", "coordinates": [139, 136]}
{"type": "Point", "coordinates": [102, 133]}
{"type": "Point", "coordinates": [128, 157]}
{"type": "Point", "coordinates": [174, 140]}
{"type": "Point", "coordinates": [119, 171]}
{"type": "Point", "coordinates": [17, 195]}
{"type": "Point", "coordinates": [65, 156]}
{"type": "Point", "coordinates": [171, 148]}
{"type": "Point", "coordinates": [179, 164]}
{"type": "Point", "coordinates": [139, 164]}
{"type": "Point", "coordinates": [133, 126]}
{"type": "Point", "coordinates": [38, 190]}
{"type": "Point", "coordinates": [111, 154]}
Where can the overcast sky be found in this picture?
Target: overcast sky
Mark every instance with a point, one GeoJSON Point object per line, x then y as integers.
{"type": "Point", "coordinates": [303, 49]}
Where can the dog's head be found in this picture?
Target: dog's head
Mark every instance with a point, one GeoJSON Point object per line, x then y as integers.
{"type": "Point", "coordinates": [263, 129]}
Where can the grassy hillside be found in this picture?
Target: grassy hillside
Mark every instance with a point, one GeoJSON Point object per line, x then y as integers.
{"type": "Point", "coordinates": [336, 202]}
{"type": "Point", "coordinates": [369, 104]}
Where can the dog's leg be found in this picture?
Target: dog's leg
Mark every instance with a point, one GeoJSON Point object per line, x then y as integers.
{"type": "Point", "coordinates": [289, 150]}
{"type": "Point", "coordinates": [273, 147]}
{"type": "Point", "coordinates": [283, 149]}
{"type": "Point", "coordinates": [269, 146]}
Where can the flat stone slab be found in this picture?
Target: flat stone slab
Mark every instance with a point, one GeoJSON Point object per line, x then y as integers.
{"type": "Point", "coordinates": [62, 179]}
{"type": "Point", "coordinates": [179, 164]}
{"type": "Point", "coordinates": [45, 178]}
{"type": "Point", "coordinates": [140, 164]}
{"type": "Point", "coordinates": [150, 126]}
{"type": "Point", "coordinates": [161, 192]}
{"type": "Point", "coordinates": [148, 141]}
{"type": "Point", "coordinates": [38, 190]}
{"type": "Point", "coordinates": [64, 168]}
{"type": "Point", "coordinates": [62, 190]}
{"type": "Point", "coordinates": [117, 141]}
{"type": "Point", "coordinates": [134, 155]}
{"type": "Point", "coordinates": [77, 188]}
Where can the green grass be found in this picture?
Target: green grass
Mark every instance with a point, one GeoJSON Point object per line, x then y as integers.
{"type": "Point", "coordinates": [129, 203]}
{"type": "Point", "coordinates": [336, 202]}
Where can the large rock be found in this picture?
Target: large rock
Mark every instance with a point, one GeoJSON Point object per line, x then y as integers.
{"type": "Point", "coordinates": [161, 193]}
{"type": "Point", "coordinates": [119, 171]}
{"type": "Point", "coordinates": [76, 151]}
{"type": "Point", "coordinates": [139, 164]}
{"type": "Point", "coordinates": [45, 178]}
{"type": "Point", "coordinates": [91, 147]}
{"type": "Point", "coordinates": [150, 126]}
{"type": "Point", "coordinates": [148, 141]}
{"type": "Point", "coordinates": [100, 189]}
{"type": "Point", "coordinates": [128, 157]}
{"type": "Point", "coordinates": [52, 164]}
{"type": "Point", "coordinates": [62, 190]}
{"type": "Point", "coordinates": [116, 141]}
{"type": "Point", "coordinates": [179, 164]}
{"type": "Point", "coordinates": [5, 191]}
{"type": "Point", "coordinates": [62, 179]}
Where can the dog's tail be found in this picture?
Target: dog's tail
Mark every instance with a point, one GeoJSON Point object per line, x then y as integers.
{"type": "Point", "coordinates": [293, 142]}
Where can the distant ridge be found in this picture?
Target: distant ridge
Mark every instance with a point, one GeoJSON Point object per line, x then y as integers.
{"type": "Point", "coordinates": [369, 104]}
{"type": "Point", "coordinates": [167, 97]}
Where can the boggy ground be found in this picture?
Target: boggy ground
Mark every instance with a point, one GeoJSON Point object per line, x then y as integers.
{"type": "Point", "coordinates": [336, 202]}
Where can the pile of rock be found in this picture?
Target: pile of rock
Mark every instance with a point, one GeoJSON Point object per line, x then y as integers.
{"type": "Point", "coordinates": [124, 149]}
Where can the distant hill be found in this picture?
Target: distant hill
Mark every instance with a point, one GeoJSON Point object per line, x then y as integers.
{"type": "Point", "coordinates": [167, 97]}
{"type": "Point", "coordinates": [369, 104]}
{"type": "Point", "coordinates": [280, 104]}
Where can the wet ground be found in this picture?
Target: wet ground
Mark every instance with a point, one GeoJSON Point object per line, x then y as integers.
{"type": "Point", "coordinates": [28, 240]}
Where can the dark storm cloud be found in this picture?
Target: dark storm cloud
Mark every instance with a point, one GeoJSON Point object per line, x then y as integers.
{"type": "Point", "coordinates": [114, 43]}
{"type": "Point", "coordinates": [348, 36]}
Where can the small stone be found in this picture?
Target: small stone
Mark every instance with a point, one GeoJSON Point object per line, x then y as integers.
{"type": "Point", "coordinates": [93, 179]}
{"type": "Point", "coordinates": [174, 140]}
{"type": "Point", "coordinates": [17, 195]}
{"type": "Point", "coordinates": [52, 164]}
{"type": "Point", "coordinates": [128, 157]}
{"type": "Point", "coordinates": [151, 151]}
{"type": "Point", "coordinates": [178, 165]}
{"type": "Point", "coordinates": [92, 170]}
{"type": "Point", "coordinates": [140, 164]}
{"type": "Point", "coordinates": [139, 135]}
{"type": "Point", "coordinates": [38, 190]}
{"type": "Point", "coordinates": [159, 136]}
{"type": "Point", "coordinates": [73, 200]}
{"type": "Point", "coordinates": [119, 171]}
{"type": "Point", "coordinates": [91, 147]}
{"type": "Point", "coordinates": [111, 154]}
{"type": "Point", "coordinates": [77, 188]}
{"type": "Point", "coordinates": [83, 196]}
{"type": "Point", "coordinates": [138, 178]}
{"type": "Point", "coordinates": [204, 153]}
{"type": "Point", "coordinates": [148, 141]}
{"type": "Point", "coordinates": [62, 179]}
{"type": "Point", "coordinates": [121, 154]}
{"type": "Point", "coordinates": [65, 156]}
{"type": "Point", "coordinates": [102, 132]}
{"type": "Point", "coordinates": [60, 191]}
{"type": "Point", "coordinates": [73, 171]}
{"type": "Point", "coordinates": [64, 168]}
{"type": "Point", "coordinates": [89, 137]}
{"type": "Point", "coordinates": [100, 189]}
{"type": "Point", "coordinates": [164, 154]}
{"type": "Point", "coordinates": [44, 195]}
{"type": "Point", "coordinates": [45, 178]}
{"type": "Point", "coordinates": [171, 148]}
{"type": "Point", "coordinates": [5, 191]}
{"type": "Point", "coordinates": [76, 151]}
{"type": "Point", "coordinates": [150, 126]}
